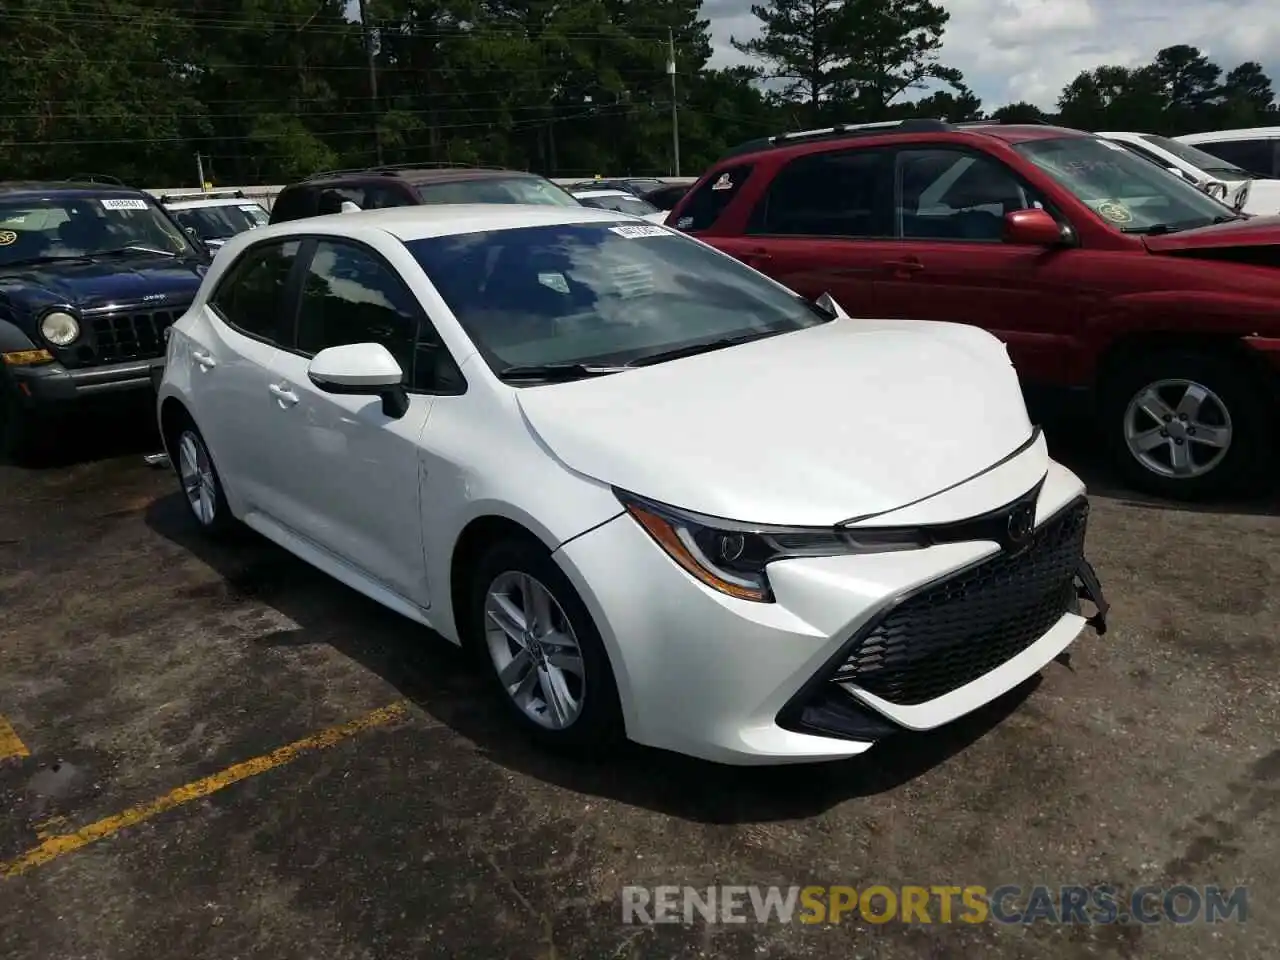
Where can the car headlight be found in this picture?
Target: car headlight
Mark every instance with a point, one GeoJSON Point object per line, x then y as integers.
{"type": "Point", "coordinates": [732, 557]}
{"type": "Point", "coordinates": [59, 328]}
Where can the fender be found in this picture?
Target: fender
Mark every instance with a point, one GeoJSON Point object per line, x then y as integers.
{"type": "Point", "coordinates": [12, 339]}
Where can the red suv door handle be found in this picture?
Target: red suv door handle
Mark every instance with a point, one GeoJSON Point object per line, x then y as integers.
{"type": "Point", "coordinates": [756, 255]}
{"type": "Point", "coordinates": [905, 266]}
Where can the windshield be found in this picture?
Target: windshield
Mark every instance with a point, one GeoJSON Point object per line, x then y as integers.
{"type": "Point", "coordinates": [600, 293]}
{"type": "Point", "coordinates": [1198, 158]}
{"type": "Point", "coordinates": [1128, 192]}
{"type": "Point", "coordinates": [72, 227]}
{"type": "Point", "coordinates": [222, 222]}
{"type": "Point", "coordinates": [533, 190]}
{"type": "Point", "coordinates": [622, 204]}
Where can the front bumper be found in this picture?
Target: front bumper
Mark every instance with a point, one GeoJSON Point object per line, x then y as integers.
{"type": "Point", "coordinates": [52, 384]}
{"type": "Point", "coordinates": [751, 683]}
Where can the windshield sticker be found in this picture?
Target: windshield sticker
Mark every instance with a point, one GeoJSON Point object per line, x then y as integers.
{"type": "Point", "coordinates": [724, 183]}
{"type": "Point", "coordinates": [7, 237]}
{"type": "Point", "coordinates": [636, 232]}
{"type": "Point", "coordinates": [1115, 211]}
{"type": "Point", "coordinates": [249, 207]}
{"type": "Point", "coordinates": [554, 281]}
{"type": "Point", "coordinates": [124, 203]}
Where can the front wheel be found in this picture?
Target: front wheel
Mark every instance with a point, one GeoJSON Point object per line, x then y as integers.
{"type": "Point", "coordinates": [1187, 426]}
{"type": "Point", "coordinates": [545, 656]}
{"type": "Point", "coordinates": [201, 485]}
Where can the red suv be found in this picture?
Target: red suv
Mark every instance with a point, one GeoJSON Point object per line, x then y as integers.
{"type": "Point", "coordinates": [1103, 274]}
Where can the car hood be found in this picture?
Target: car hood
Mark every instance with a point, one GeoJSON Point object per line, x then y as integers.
{"type": "Point", "coordinates": [101, 282]}
{"type": "Point", "coordinates": [1254, 232]}
{"type": "Point", "coordinates": [848, 419]}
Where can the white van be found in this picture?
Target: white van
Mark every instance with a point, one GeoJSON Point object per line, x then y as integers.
{"type": "Point", "coordinates": [1232, 184]}
{"type": "Point", "coordinates": [1257, 149]}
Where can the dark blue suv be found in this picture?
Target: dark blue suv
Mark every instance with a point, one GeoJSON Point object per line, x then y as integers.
{"type": "Point", "coordinates": [91, 276]}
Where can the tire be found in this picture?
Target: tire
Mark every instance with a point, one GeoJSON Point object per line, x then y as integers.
{"type": "Point", "coordinates": [1235, 410]}
{"type": "Point", "coordinates": [595, 725]}
{"type": "Point", "coordinates": [206, 501]}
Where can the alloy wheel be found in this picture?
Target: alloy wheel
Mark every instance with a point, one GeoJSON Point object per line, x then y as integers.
{"type": "Point", "coordinates": [1177, 428]}
{"type": "Point", "coordinates": [534, 650]}
{"type": "Point", "coordinates": [195, 468]}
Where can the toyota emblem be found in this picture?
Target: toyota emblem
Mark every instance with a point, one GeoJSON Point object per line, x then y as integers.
{"type": "Point", "coordinates": [1022, 521]}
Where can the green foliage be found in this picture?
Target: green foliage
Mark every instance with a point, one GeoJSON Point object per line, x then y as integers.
{"type": "Point", "coordinates": [268, 90]}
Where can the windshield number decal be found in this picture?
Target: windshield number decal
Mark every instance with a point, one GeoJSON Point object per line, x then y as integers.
{"type": "Point", "coordinates": [1115, 211]}
{"type": "Point", "coordinates": [124, 203]}
{"type": "Point", "coordinates": [724, 183]}
{"type": "Point", "coordinates": [635, 233]}
{"type": "Point", "coordinates": [7, 237]}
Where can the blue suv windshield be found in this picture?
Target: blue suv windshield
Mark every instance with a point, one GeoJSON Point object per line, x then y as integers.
{"type": "Point", "coordinates": [68, 227]}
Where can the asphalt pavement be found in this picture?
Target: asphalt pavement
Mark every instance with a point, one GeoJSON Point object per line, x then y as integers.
{"type": "Point", "coordinates": [220, 752]}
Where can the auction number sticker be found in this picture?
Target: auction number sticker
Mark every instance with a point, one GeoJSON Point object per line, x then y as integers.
{"type": "Point", "coordinates": [636, 232]}
{"type": "Point", "coordinates": [123, 203]}
{"type": "Point", "coordinates": [7, 237]}
{"type": "Point", "coordinates": [1115, 211]}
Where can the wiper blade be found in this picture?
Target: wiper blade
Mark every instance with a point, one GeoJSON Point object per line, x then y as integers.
{"type": "Point", "coordinates": [135, 248]}
{"type": "Point", "coordinates": [693, 349]}
{"type": "Point", "coordinates": [554, 372]}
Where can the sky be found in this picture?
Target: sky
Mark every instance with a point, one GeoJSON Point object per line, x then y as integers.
{"type": "Point", "coordinates": [1012, 50]}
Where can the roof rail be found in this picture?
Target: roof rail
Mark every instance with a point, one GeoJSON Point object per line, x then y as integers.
{"type": "Point", "coordinates": [390, 169]}
{"type": "Point", "coordinates": [203, 195]}
{"type": "Point", "coordinates": [844, 130]}
{"type": "Point", "coordinates": [95, 178]}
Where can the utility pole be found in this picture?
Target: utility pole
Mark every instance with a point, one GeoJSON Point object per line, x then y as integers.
{"type": "Point", "coordinates": [675, 113]}
{"type": "Point", "coordinates": [200, 170]}
{"type": "Point", "coordinates": [367, 29]}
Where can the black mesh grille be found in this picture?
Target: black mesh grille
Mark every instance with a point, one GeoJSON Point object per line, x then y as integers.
{"type": "Point", "coordinates": [967, 625]}
{"type": "Point", "coordinates": [131, 335]}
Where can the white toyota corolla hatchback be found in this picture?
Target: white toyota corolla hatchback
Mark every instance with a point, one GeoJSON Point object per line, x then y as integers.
{"type": "Point", "coordinates": [663, 496]}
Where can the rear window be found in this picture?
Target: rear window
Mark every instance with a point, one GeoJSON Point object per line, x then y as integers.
{"type": "Point", "coordinates": [702, 209]}
{"type": "Point", "coordinates": [534, 190]}
{"type": "Point", "coordinates": [1257, 156]}
{"type": "Point", "coordinates": [293, 203]}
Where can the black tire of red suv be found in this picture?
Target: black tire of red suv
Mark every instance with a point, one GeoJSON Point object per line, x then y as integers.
{"type": "Point", "coordinates": [1245, 467]}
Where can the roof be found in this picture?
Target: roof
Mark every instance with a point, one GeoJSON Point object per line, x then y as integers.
{"type": "Point", "coordinates": [1241, 133]}
{"type": "Point", "coordinates": [442, 220]}
{"type": "Point", "coordinates": [38, 188]}
{"type": "Point", "coordinates": [195, 202]}
{"type": "Point", "coordinates": [587, 194]}
{"type": "Point", "coordinates": [420, 174]}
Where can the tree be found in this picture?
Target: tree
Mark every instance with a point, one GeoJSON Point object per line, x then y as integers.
{"type": "Point", "coordinates": [863, 53]}
{"type": "Point", "coordinates": [1020, 112]}
{"type": "Point", "coordinates": [956, 107]}
{"type": "Point", "coordinates": [1247, 98]}
{"type": "Point", "coordinates": [1114, 98]}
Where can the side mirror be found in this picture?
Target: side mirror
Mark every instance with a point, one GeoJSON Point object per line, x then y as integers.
{"type": "Point", "coordinates": [1033, 227]}
{"type": "Point", "coordinates": [362, 369]}
{"type": "Point", "coordinates": [1216, 189]}
{"type": "Point", "coordinates": [349, 207]}
{"type": "Point", "coordinates": [828, 303]}
{"type": "Point", "coordinates": [1182, 175]}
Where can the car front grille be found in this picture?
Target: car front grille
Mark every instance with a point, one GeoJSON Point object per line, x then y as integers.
{"type": "Point", "coordinates": [955, 630]}
{"type": "Point", "coordinates": [131, 334]}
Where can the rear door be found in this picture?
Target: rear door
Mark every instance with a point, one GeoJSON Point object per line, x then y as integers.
{"type": "Point", "coordinates": [1259, 155]}
{"type": "Point", "coordinates": [824, 224]}
{"type": "Point", "coordinates": [951, 263]}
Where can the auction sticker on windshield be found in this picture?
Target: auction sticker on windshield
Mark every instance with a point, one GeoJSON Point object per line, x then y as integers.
{"type": "Point", "coordinates": [7, 237]}
{"type": "Point", "coordinates": [636, 232]}
{"type": "Point", "coordinates": [124, 203]}
{"type": "Point", "coordinates": [1115, 211]}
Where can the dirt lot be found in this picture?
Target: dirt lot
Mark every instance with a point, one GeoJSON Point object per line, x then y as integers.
{"type": "Point", "coordinates": [153, 680]}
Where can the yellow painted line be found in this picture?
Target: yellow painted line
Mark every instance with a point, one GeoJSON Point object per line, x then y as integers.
{"type": "Point", "coordinates": [11, 744]}
{"type": "Point", "coordinates": [57, 846]}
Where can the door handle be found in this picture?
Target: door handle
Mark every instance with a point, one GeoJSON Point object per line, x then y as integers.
{"type": "Point", "coordinates": [905, 266]}
{"type": "Point", "coordinates": [286, 396]}
{"type": "Point", "coordinates": [205, 360]}
{"type": "Point", "coordinates": [756, 256]}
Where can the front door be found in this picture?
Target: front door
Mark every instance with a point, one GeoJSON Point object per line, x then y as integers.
{"type": "Point", "coordinates": [355, 484]}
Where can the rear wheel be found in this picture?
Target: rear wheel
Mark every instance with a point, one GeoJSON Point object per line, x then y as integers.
{"type": "Point", "coordinates": [1188, 425]}
{"type": "Point", "coordinates": [201, 485]}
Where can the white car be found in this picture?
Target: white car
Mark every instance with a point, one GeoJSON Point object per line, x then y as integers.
{"type": "Point", "coordinates": [621, 202]}
{"type": "Point", "coordinates": [1233, 185]}
{"type": "Point", "coordinates": [215, 218]}
{"type": "Point", "coordinates": [664, 496]}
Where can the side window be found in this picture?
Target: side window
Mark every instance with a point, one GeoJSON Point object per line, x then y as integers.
{"type": "Point", "coordinates": [351, 295]}
{"type": "Point", "coordinates": [293, 203]}
{"type": "Point", "coordinates": [332, 197]}
{"type": "Point", "coordinates": [252, 294]}
{"type": "Point", "coordinates": [1256, 156]}
{"type": "Point", "coordinates": [379, 197]}
{"type": "Point", "coordinates": [712, 198]}
{"type": "Point", "coordinates": [949, 194]}
{"type": "Point", "coordinates": [845, 193]}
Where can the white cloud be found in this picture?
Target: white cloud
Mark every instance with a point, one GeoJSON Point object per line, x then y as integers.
{"type": "Point", "coordinates": [1029, 49]}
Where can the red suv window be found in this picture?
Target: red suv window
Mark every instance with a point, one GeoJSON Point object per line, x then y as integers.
{"type": "Point", "coordinates": [843, 193]}
{"type": "Point", "coordinates": [703, 207]}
